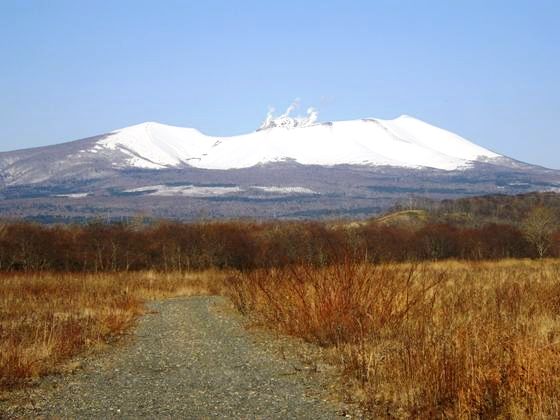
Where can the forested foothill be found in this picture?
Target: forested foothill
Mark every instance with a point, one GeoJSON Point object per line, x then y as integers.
{"type": "Point", "coordinates": [482, 228]}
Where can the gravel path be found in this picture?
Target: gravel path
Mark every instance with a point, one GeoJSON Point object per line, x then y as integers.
{"type": "Point", "coordinates": [190, 358]}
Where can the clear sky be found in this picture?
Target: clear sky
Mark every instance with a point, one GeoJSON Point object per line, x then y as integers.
{"type": "Point", "coordinates": [487, 70]}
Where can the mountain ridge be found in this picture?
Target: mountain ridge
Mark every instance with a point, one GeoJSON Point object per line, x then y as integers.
{"type": "Point", "coordinates": [402, 142]}
{"type": "Point", "coordinates": [288, 168]}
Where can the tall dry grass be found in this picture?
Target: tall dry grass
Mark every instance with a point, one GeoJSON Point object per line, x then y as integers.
{"type": "Point", "coordinates": [45, 319]}
{"type": "Point", "coordinates": [442, 340]}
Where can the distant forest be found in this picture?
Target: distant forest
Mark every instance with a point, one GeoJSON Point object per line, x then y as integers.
{"type": "Point", "coordinates": [475, 211]}
{"type": "Point", "coordinates": [471, 229]}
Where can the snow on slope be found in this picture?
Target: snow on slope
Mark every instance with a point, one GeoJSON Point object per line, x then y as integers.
{"type": "Point", "coordinates": [404, 142]}
{"type": "Point", "coordinates": [197, 191]}
{"type": "Point", "coordinates": [186, 191]}
{"type": "Point", "coordinates": [155, 146]}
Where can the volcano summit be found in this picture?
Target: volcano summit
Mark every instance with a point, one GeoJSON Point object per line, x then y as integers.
{"type": "Point", "coordinates": [289, 167]}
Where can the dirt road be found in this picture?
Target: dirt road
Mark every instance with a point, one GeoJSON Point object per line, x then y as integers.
{"type": "Point", "coordinates": [189, 358]}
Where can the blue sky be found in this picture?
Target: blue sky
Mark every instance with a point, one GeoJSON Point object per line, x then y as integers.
{"type": "Point", "coordinates": [488, 70]}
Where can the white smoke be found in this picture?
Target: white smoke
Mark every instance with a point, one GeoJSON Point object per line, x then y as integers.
{"type": "Point", "coordinates": [286, 121]}
{"type": "Point", "coordinates": [269, 116]}
{"type": "Point", "coordinates": [312, 115]}
{"type": "Point", "coordinates": [293, 106]}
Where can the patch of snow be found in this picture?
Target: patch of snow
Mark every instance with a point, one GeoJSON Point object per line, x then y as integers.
{"type": "Point", "coordinates": [198, 191]}
{"type": "Point", "coordinates": [185, 191]}
{"type": "Point", "coordinates": [73, 195]}
{"type": "Point", "coordinates": [285, 190]}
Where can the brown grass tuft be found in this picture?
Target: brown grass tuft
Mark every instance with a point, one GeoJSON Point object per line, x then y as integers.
{"type": "Point", "coordinates": [442, 340]}
{"type": "Point", "coordinates": [45, 319]}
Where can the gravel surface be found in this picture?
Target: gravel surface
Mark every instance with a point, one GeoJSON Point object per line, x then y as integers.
{"type": "Point", "coordinates": [189, 358]}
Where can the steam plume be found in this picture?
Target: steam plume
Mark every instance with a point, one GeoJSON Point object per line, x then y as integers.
{"type": "Point", "coordinates": [286, 121]}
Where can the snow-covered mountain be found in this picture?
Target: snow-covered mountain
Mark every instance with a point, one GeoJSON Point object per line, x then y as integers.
{"type": "Point", "coordinates": [289, 167]}
{"type": "Point", "coordinates": [402, 142]}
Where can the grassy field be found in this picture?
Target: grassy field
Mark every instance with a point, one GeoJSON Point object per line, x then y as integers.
{"type": "Point", "coordinates": [46, 319]}
{"type": "Point", "coordinates": [441, 340]}
{"type": "Point", "coordinates": [434, 340]}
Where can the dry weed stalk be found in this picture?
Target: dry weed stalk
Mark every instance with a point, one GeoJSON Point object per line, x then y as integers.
{"type": "Point", "coordinates": [442, 340]}
{"type": "Point", "coordinates": [45, 319]}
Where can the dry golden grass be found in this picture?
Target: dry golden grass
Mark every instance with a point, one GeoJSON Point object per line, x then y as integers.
{"type": "Point", "coordinates": [441, 340]}
{"type": "Point", "coordinates": [45, 319]}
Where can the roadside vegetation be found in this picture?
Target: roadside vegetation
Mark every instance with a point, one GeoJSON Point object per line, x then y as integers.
{"type": "Point", "coordinates": [46, 319]}
{"type": "Point", "coordinates": [437, 340]}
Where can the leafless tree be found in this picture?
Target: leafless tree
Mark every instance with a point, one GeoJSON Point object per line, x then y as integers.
{"type": "Point", "coordinates": [539, 227]}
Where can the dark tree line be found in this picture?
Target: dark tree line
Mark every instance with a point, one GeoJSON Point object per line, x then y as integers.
{"type": "Point", "coordinates": [500, 208]}
{"type": "Point", "coordinates": [170, 246]}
